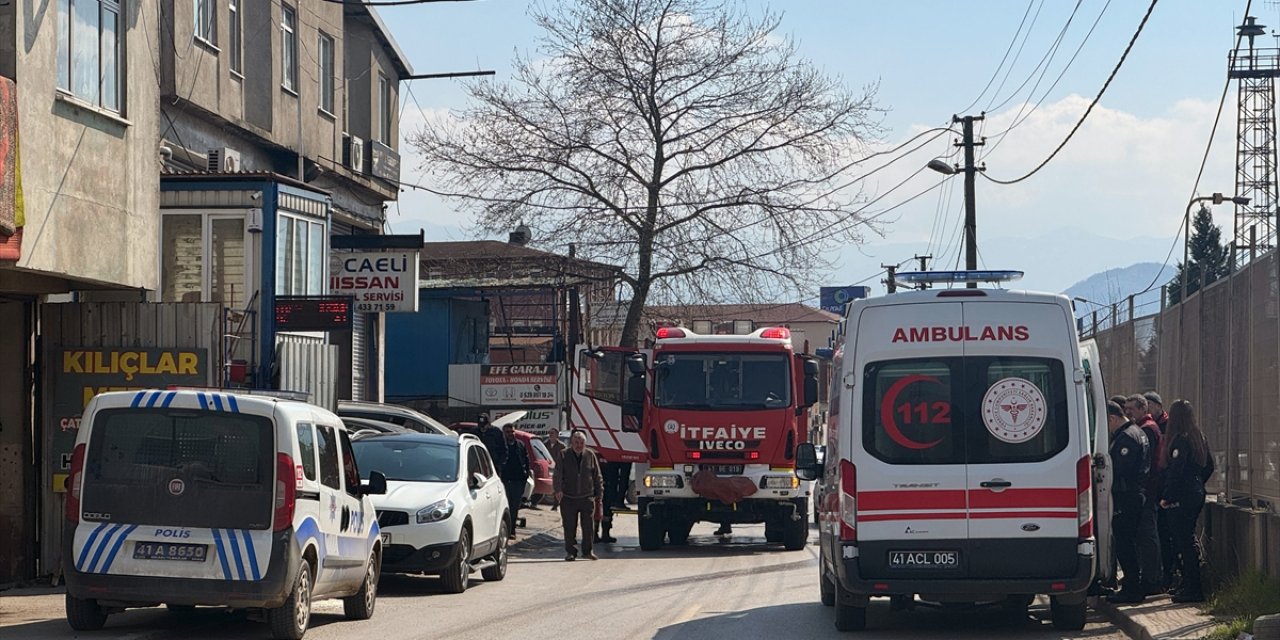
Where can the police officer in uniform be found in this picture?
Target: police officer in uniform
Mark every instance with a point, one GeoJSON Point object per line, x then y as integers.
{"type": "Point", "coordinates": [1130, 462]}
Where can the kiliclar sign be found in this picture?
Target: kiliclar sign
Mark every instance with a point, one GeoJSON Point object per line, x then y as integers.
{"type": "Point", "coordinates": [380, 281]}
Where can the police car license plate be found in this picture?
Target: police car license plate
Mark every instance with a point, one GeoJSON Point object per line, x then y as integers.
{"type": "Point", "coordinates": [386, 538]}
{"type": "Point", "coordinates": [924, 559]}
{"type": "Point", "coordinates": [169, 551]}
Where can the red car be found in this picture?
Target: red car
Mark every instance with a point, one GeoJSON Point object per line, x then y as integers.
{"type": "Point", "coordinates": [540, 462]}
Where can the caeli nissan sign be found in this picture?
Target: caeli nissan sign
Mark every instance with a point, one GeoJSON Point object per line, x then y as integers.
{"type": "Point", "coordinates": [380, 281]}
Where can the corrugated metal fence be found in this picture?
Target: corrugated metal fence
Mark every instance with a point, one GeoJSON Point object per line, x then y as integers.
{"type": "Point", "coordinates": [1221, 351]}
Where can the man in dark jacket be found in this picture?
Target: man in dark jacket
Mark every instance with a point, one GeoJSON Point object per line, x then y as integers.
{"type": "Point", "coordinates": [1168, 552]}
{"type": "Point", "coordinates": [557, 448]}
{"type": "Point", "coordinates": [1130, 462]}
{"type": "Point", "coordinates": [579, 489]}
{"type": "Point", "coordinates": [515, 475]}
{"type": "Point", "coordinates": [492, 438]}
{"type": "Point", "coordinates": [1149, 553]}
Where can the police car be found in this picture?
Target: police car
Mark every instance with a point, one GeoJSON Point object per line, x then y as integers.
{"type": "Point", "coordinates": [960, 453]}
{"type": "Point", "coordinates": [189, 498]}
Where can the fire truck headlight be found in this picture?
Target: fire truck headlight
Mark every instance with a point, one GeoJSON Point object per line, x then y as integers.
{"type": "Point", "coordinates": [779, 482]}
{"type": "Point", "coordinates": [663, 482]}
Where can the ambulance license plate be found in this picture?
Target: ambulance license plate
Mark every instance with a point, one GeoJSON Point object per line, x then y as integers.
{"type": "Point", "coordinates": [924, 559]}
{"type": "Point", "coordinates": [170, 551]}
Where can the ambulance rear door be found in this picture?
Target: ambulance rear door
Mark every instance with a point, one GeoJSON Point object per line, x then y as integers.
{"type": "Point", "coordinates": [1096, 397]}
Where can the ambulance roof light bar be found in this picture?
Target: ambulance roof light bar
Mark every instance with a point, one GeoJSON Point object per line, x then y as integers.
{"type": "Point", "coordinates": [911, 278]}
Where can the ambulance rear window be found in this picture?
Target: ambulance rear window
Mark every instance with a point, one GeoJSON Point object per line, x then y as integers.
{"type": "Point", "coordinates": [977, 410]}
{"type": "Point", "coordinates": [181, 467]}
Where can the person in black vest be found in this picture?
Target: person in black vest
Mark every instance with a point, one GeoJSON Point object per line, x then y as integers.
{"type": "Point", "coordinates": [1182, 495]}
{"type": "Point", "coordinates": [1130, 463]}
{"type": "Point", "coordinates": [493, 440]}
{"type": "Point", "coordinates": [515, 474]}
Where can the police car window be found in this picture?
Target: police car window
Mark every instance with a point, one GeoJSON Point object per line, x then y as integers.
{"type": "Point", "coordinates": [1020, 408]}
{"type": "Point", "coordinates": [307, 449]}
{"type": "Point", "coordinates": [330, 474]}
{"type": "Point", "coordinates": [908, 415]}
{"type": "Point", "coordinates": [181, 467]}
{"type": "Point", "coordinates": [350, 472]}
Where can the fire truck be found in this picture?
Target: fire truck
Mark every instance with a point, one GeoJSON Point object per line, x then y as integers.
{"type": "Point", "coordinates": [713, 421]}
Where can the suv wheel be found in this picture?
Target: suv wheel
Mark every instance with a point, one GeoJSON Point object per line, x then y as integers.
{"type": "Point", "coordinates": [499, 569]}
{"type": "Point", "coordinates": [457, 575]}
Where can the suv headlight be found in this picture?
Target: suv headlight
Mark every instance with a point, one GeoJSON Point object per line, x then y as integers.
{"type": "Point", "coordinates": [779, 482]}
{"type": "Point", "coordinates": [435, 512]}
{"type": "Point", "coordinates": [663, 482]}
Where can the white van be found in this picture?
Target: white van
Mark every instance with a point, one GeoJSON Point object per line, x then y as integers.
{"type": "Point", "coordinates": [189, 498]}
{"type": "Point", "coordinates": [960, 457]}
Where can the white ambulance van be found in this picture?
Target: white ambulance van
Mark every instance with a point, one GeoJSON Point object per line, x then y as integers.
{"type": "Point", "coordinates": [960, 456]}
{"type": "Point", "coordinates": [189, 498]}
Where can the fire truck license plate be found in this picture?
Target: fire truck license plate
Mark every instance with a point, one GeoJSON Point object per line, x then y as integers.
{"type": "Point", "coordinates": [924, 559]}
{"type": "Point", "coordinates": [726, 469]}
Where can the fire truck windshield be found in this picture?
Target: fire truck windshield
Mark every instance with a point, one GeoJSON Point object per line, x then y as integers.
{"type": "Point", "coordinates": [722, 381]}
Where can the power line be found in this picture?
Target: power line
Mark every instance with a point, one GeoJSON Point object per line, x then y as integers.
{"type": "Point", "coordinates": [1045, 60]}
{"type": "Point", "coordinates": [1096, 99]}
{"type": "Point", "coordinates": [1017, 55]}
{"type": "Point", "coordinates": [1000, 66]}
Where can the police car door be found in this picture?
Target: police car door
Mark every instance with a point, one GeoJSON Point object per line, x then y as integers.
{"type": "Point", "coordinates": [1096, 398]}
{"type": "Point", "coordinates": [1023, 440]}
{"type": "Point", "coordinates": [354, 524]}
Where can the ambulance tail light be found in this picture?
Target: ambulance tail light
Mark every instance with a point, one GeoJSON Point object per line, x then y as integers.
{"type": "Point", "coordinates": [1084, 497]}
{"type": "Point", "coordinates": [73, 484]}
{"type": "Point", "coordinates": [848, 501]}
{"type": "Point", "coordinates": [670, 332]}
{"type": "Point", "coordinates": [286, 493]}
{"type": "Point", "coordinates": [776, 333]}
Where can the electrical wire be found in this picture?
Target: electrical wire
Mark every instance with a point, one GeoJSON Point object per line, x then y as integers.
{"type": "Point", "coordinates": [1047, 59]}
{"type": "Point", "coordinates": [1016, 56]}
{"type": "Point", "coordinates": [1000, 66]}
{"type": "Point", "coordinates": [1093, 104]}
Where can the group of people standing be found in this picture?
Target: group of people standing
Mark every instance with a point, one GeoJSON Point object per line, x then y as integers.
{"type": "Point", "coordinates": [1160, 463]}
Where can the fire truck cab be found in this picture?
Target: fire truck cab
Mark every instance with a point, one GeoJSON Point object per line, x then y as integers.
{"type": "Point", "coordinates": [960, 457]}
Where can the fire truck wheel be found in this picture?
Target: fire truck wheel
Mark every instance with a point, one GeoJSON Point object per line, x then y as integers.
{"type": "Point", "coordinates": [678, 534]}
{"type": "Point", "coordinates": [651, 533]}
{"type": "Point", "coordinates": [773, 532]}
{"type": "Point", "coordinates": [796, 535]}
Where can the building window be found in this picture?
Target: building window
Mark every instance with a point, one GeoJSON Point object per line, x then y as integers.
{"type": "Point", "coordinates": [289, 42]}
{"type": "Point", "coordinates": [386, 100]}
{"type": "Point", "coordinates": [204, 259]}
{"type": "Point", "coordinates": [237, 52]}
{"type": "Point", "coordinates": [89, 51]}
{"type": "Point", "coordinates": [300, 256]}
{"type": "Point", "coordinates": [326, 72]}
{"type": "Point", "coordinates": [206, 17]}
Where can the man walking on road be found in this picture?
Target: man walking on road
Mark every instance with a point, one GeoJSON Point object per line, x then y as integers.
{"type": "Point", "coordinates": [579, 488]}
{"type": "Point", "coordinates": [515, 474]}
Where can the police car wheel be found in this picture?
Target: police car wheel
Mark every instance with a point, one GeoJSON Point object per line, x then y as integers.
{"type": "Point", "coordinates": [84, 615]}
{"type": "Point", "coordinates": [360, 606]}
{"type": "Point", "coordinates": [498, 571]}
{"type": "Point", "coordinates": [457, 575]}
{"type": "Point", "coordinates": [290, 620]}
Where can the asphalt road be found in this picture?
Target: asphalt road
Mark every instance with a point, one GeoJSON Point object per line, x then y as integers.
{"type": "Point", "coordinates": [710, 590]}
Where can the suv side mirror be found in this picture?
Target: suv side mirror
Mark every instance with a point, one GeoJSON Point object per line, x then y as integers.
{"type": "Point", "coordinates": [377, 484]}
{"type": "Point", "coordinates": [475, 481]}
{"type": "Point", "coordinates": [807, 465]}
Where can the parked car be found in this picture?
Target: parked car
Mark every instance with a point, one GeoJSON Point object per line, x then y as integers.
{"type": "Point", "coordinates": [189, 498]}
{"type": "Point", "coordinates": [445, 511]}
{"type": "Point", "coordinates": [393, 413]}
{"type": "Point", "coordinates": [360, 427]}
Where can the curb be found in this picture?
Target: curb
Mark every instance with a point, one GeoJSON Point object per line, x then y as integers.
{"type": "Point", "coordinates": [1122, 620]}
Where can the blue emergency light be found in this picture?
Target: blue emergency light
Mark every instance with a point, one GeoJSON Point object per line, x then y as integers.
{"type": "Point", "coordinates": [912, 278]}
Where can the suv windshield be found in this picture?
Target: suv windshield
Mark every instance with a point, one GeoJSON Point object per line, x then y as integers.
{"type": "Point", "coordinates": [408, 460]}
{"type": "Point", "coordinates": [722, 381]}
{"type": "Point", "coordinates": [181, 467]}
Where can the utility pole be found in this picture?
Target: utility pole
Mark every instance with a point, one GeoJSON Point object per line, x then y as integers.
{"type": "Point", "coordinates": [890, 284]}
{"type": "Point", "coordinates": [970, 201]}
{"type": "Point", "coordinates": [924, 266]}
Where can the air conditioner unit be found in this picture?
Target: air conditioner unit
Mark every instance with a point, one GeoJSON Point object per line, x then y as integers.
{"type": "Point", "coordinates": [224, 160]}
{"type": "Point", "coordinates": [353, 153]}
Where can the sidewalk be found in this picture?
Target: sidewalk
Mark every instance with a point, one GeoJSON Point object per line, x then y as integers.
{"type": "Point", "coordinates": [1159, 618]}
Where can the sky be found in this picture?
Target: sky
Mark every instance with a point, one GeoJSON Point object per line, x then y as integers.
{"type": "Point", "coordinates": [1113, 197]}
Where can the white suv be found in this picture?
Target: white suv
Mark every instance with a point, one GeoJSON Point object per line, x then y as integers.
{"type": "Point", "coordinates": [445, 511]}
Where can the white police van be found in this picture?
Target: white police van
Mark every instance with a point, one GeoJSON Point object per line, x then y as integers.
{"type": "Point", "coordinates": [189, 498]}
{"type": "Point", "coordinates": [960, 453]}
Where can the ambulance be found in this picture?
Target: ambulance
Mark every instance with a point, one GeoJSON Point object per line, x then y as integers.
{"type": "Point", "coordinates": [187, 498]}
{"type": "Point", "coordinates": [961, 455]}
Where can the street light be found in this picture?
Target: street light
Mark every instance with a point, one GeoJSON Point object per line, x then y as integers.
{"type": "Point", "coordinates": [941, 167]}
{"type": "Point", "coordinates": [1216, 198]}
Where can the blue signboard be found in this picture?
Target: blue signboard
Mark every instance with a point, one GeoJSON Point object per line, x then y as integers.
{"type": "Point", "coordinates": [833, 299]}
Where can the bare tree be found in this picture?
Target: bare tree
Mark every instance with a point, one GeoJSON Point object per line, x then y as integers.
{"type": "Point", "coordinates": [681, 139]}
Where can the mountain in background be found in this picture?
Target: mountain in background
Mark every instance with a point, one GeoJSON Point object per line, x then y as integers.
{"type": "Point", "coordinates": [1115, 286]}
